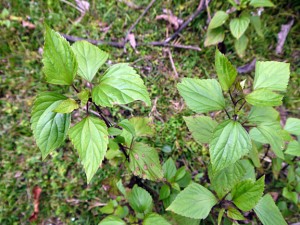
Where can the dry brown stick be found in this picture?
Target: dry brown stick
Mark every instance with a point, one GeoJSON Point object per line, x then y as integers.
{"type": "Point", "coordinates": [137, 21]}
{"type": "Point", "coordinates": [172, 63]}
{"type": "Point", "coordinates": [163, 44]}
{"type": "Point", "coordinates": [199, 9]}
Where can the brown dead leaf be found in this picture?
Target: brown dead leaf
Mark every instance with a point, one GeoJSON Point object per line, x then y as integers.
{"type": "Point", "coordinates": [83, 7]}
{"type": "Point", "coordinates": [172, 19]}
{"type": "Point", "coordinates": [132, 41]}
{"type": "Point", "coordinates": [285, 29]}
{"type": "Point", "coordinates": [28, 24]}
{"type": "Point", "coordinates": [247, 68]}
{"type": "Point", "coordinates": [36, 202]}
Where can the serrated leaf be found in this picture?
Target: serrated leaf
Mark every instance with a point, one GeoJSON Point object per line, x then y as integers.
{"type": "Point", "coordinates": [238, 26]}
{"type": "Point", "coordinates": [264, 97]}
{"type": "Point", "coordinates": [223, 181]}
{"type": "Point", "coordinates": [90, 138]}
{"type": "Point", "coordinates": [120, 85]}
{"type": "Point", "coordinates": [271, 75]}
{"type": "Point", "coordinates": [142, 126]}
{"type": "Point", "coordinates": [261, 3]}
{"type": "Point", "coordinates": [293, 148]}
{"type": "Point", "coordinates": [240, 45]}
{"type": "Point", "coordinates": [144, 162]}
{"type": "Point", "coordinates": [169, 169]}
{"type": "Point", "coordinates": [66, 106]}
{"type": "Point", "coordinates": [247, 193]}
{"type": "Point", "coordinates": [195, 201]}
{"type": "Point", "coordinates": [214, 36]}
{"type": "Point", "coordinates": [225, 70]}
{"type": "Point", "coordinates": [268, 213]}
{"type": "Point", "coordinates": [84, 96]}
{"type": "Point", "coordinates": [125, 124]}
{"type": "Point", "coordinates": [249, 168]}
{"type": "Point", "coordinates": [49, 128]}
{"type": "Point", "coordinates": [202, 95]}
{"type": "Point", "coordinates": [229, 143]}
{"type": "Point", "coordinates": [89, 57]}
{"type": "Point", "coordinates": [201, 127]}
{"type": "Point", "coordinates": [253, 154]}
{"type": "Point", "coordinates": [154, 218]}
{"type": "Point", "coordinates": [260, 115]}
{"type": "Point", "coordinates": [235, 214]}
{"type": "Point", "coordinates": [292, 126]}
{"type": "Point", "coordinates": [218, 20]}
{"type": "Point", "coordinates": [140, 200]}
{"type": "Point", "coordinates": [60, 65]}
{"type": "Point", "coordinates": [112, 220]}
{"type": "Point", "coordinates": [256, 23]}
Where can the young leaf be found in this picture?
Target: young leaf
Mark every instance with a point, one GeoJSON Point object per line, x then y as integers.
{"type": "Point", "coordinates": [264, 97]}
{"type": "Point", "coordinates": [125, 124]}
{"type": "Point", "coordinates": [229, 143]}
{"type": "Point", "coordinates": [120, 85]}
{"type": "Point", "coordinates": [164, 192]}
{"type": "Point", "coordinates": [201, 127]}
{"type": "Point", "coordinates": [225, 70]}
{"type": "Point", "coordinates": [169, 169]}
{"type": "Point", "coordinates": [235, 214]}
{"type": "Point", "coordinates": [271, 75]}
{"type": "Point", "coordinates": [218, 20]}
{"type": "Point", "coordinates": [90, 58]}
{"type": "Point", "coordinates": [290, 195]}
{"type": "Point", "coordinates": [293, 126]}
{"type": "Point", "coordinates": [260, 115]}
{"type": "Point", "coordinates": [268, 213]}
{"type": "Point", "coordinates": [223, 181]}
{"type": "Point", "coordinates": [195, 201]}
{"type": "Point", "coordinates": [112, 220]}
{"type": "Point", "coordinates": [247, 193]}
{"type": "Point", "coordinates": [202, 95]}
{"type": "Point", "coordinates": [293, 148]}
{"type": "Point", "coordinates": [144, 162]}
{"type": "Point", "coordinates": [214, 36]}
{"type": "Point", "coordinates": [90, 138]}
{"type": "Point", "coordinates": [238, 26]}
{"type": "Point", "coordinates": [256, 23]}
{"type": "Point", "coordinates": [240, 45]}
{"type": "Point", "coordinates": [84, 96]}
{"type": "Point", "coordinates": [60, 65]}
{"type": "Point", "coordinates": [140, 200]}
{"type": "Point", "coordinates": [261, 3]}
{"type": "Point", "coordinates": [154, 218]}
{"type": "Point", "coordinates": [66, 106]}
{"type": "Point", "coordinates": [49, 128]}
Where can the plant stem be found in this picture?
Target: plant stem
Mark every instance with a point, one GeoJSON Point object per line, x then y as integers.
{"type": "Point", "coordinates": [73, 86]}
{"type": "Point", "coordinates": [227, 114]}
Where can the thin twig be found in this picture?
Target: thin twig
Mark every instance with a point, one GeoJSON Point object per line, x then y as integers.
{"type": "Point", "coordinates": [137, 21]}
{"type": "Point", "coordinates": [71, 4]}
{"type": "Point", "coordinates": [73, 86]}
{"type": "Point", "coordinates": [172, 63]}
{"type": "Point", "coordinates": [107, 122]}
{"type": "Point", "coordinates": [242, 105]}
{"type": "Point", "coordinates": [227, 114]}
{"type": "Point", "coordinates": [163, 44]}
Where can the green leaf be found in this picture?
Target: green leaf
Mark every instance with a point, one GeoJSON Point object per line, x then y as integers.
{"type": "Point", "coordinates": [60, 66]}
{"type": "Point", "coordinates": [120, 85]}
{"type": "Point", "coordinates": [164, 192]}
{"type": "Point", "coordinates": [293, 126]}
{"type": "Point", "coordinates": [154, 218]}
{"type": "Point", "coordinates": [256, 23]}
{"type": "Point", "coordinates": [84, 96]}
{"type": "Point", "coordinates": [260, 115]}
{"type": "Point", "coordinates": [169, 169]}
{"type": "Point", "coordinates": [225, 70]}
{"type": "Point", "coordinates": [249, 168]}
{"type": "Point", "coordinates": [271, 132]}
{"type": "Point", "coordinates": [253, 154]}
{"type": "Point", "coordinates": [89, 57]}
{"type": "Point", "coordinates": [66, 106]}
{"type": "Point", "coordinates": [271, 75]}
{"type": "Point", "coordinates": [142, 126]}
{"type": "Point", "coordinates": [247, 193]}
{"type": "Point", "coordinates": [220, 216]}
{"type": "Point", "coordinates": [238, 26]}
{"type": "Point", "coordinates": [140, 200]}
{"type": "Point", "coordinates": [125, 124]}
{"type": "Point", "coordinates": [180, 173]}
{"type": "Point", "coordinates": [195, 201]}
{"type": "Point", "coordinates": [293, 148]}
{"type": "Point", "coordinates": [90, 138]}
{"type": "Point", "coordinates": [49, 128]}
{"type": "Point", "coordinates": [218, 20]}
{"type": "Point", "coordinates": [202, 95]}
{"type": "Point", "coordinates": [241, 45]}
{"type": "Point", "coordinates": [214, 36]}
{"type": "Point", "coordinates": [264, 97]}
{"type": "Point", "coordinates": [201, 127]}
{"type": "Point", "coordinates": [112, 220]}
{"type": "Point", "coordinates": [261, 3]}
{"type": "Point", "coordinates": [182, 220]}
{"type": "Point", "coordinates": [223, 181]}
{"type": "Point", "coordinates": [229, 143]}
{"type": "Point", "coordinates": [290, 195]}
{"type": "Point", "coordinates": [144, 162]}
{"type": "Point", "coordinates": [235, 214]}
{"type": "Point", "coordinates": [268, 213]}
